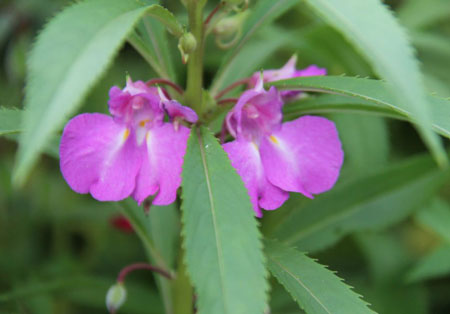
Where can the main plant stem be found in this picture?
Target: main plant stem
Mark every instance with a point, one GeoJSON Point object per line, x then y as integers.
{"type": "Point", "coordinates": [194, 90]}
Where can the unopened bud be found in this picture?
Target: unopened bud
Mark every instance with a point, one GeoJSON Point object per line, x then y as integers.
{"type": "Point", "coordinates": [115, 297]}
{"type": "Point", "coordinates": [230, 29]}
{"type": "Point", "coordinates": [186, 45]}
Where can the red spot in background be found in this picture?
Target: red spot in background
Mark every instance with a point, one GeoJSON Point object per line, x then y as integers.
{"type": "Point", "coordinates": [121, 223]}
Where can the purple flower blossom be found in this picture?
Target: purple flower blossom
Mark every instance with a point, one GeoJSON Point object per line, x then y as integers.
{"type": "Point", "coordinates": [133, 153]}
{"type": "Point", "coordinates": [286, 72]}
{"type": "Point", "coordinates": [274, 158]}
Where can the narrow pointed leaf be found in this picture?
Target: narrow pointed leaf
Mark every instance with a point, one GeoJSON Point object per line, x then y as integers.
{"type": "Point", "coordinates": [68, 58]}
{"type": "Point", "coordinates": [374, 96]}
{"type": "Point", "coordinates": [314, 287]}
{"type": "Point", "coordinates": [369, 203]}
{"type": "Point", "coordinates": [436, 218]}
{"type": "Point", "coordinates": [373, 30]}
{"type": "Point", "coordinates": [434, 265]}
{"type": "Point", "coordinates": [223, 248]}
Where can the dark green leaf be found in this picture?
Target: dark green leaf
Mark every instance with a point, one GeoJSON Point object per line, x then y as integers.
{"type": "Point", "coordinates": [315, 288]}
{"type": "Point", "coordinates": [376, 97]}
{"type": "Point", "coordinates": [436, 218]}
{"type": "Point", "coordinates": [222, 242]}
{"type": "Point", "coordinates": [369, 203]}
{"type": "Point", "coordinates": [373, 30]}
{"type": "Point", "coordinates": [434, 265]}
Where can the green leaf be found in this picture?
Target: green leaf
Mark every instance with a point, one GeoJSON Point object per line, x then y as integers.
{"type": "Point", "coordinates": [431, 266]}
{"type": "Point", "coordinates": [315, 288]}
{"type": "Point", "coordinates": [10, 120]}
{"type": "Point", "coordinates": [373, 30]}
{"type": "Point", "coordinates": [365, 141]}
{"type": "Point", "coordinates": [369, 203]}
{"type": "Point", "coordinates": [436, 218]}
{"type": "Point", "coordinates": [422, 14]}
{"type": "Point", "coordinates": [263, 13]}
{"type": "Point", "coordinates": [376, 97]}
{"type": "Point", "coordinates": [69, 56]}
{"type": "Point", "coordinates": [223, 247]}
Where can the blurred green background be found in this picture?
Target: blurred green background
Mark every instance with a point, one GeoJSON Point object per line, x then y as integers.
{"type": "Point", "coordinates": [59, 251]}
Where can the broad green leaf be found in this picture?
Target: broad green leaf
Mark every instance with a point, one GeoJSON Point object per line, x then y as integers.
{"type": "Point", "coordinates": [434, 265]}
{"type": "Point", "coordinates": [315, 288]}
{"type": "Point", "coordinates": [223, 248]}
{"type": "Point", "coordinates": [373, 30]}
{"type": "Point", "coordinates": [369, 203]}
{"type": "Point", "coordinates": [10, 120]}
{"type": "Point", "coordinates": [376, 95]}
{"type": "Point", "coordinates": [436, 218]}
{"type": "Point", "coordinates": [69, 56]}
{"type": "Point", "coordinates": [264, 12]}
{"type": "Point", "coordinates": [422, 14]}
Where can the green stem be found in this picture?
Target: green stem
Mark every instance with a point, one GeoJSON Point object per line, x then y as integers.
{"type": "Point", "coordinates": [135, 215]}
{"type": "Point", "coordinates": [194, 89]}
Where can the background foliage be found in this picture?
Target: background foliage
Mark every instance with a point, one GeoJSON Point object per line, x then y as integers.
{"type": "Point", "coordinates": [384, 228]}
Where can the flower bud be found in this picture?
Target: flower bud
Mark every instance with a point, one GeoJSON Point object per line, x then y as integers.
{"type": "Point", "coordinates": [115, 297]}
{"type": "Point", "coordinates": [186, 45]}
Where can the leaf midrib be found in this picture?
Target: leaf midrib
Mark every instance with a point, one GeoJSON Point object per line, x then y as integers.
{"type": "Point", "coordinates": [300, 282]}
{"type": "Point", "coordinates": [213, 216]}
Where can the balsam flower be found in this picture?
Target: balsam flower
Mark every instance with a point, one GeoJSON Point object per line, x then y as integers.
{"type": "Point", "coordinates": [286, 72]}
{"type": "Point", "coordinates": [274, 158]}
{"type": "Point", "coordinates": [133, 153]}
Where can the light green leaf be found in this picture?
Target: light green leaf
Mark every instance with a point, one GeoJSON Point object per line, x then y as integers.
{"type": "Point", "coordinates": [369, 203]}
{"type": "Point", "coordinates": [69, 56]}
{"type": "Point", "coordinates": [436, 218]}
{"type": "Point", "coordinates": [376, 95]}
{"type": "Point", "coordinates": [434, 265]}
{"type": "Point", "coordinates": [373, 30]}
{"type": "Point", "coordinates": [264, 12]}
{"type": "Point", "coordinates": [10, 120]}
{"type": "Point", "coordinates": [222, 242]}
{"type": "Point", "coordinates": [315, 288]}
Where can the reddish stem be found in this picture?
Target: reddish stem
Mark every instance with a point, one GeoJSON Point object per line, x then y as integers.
{"type": "Point", "coordinates": [231, 87]}
{"type": "Point", "coordinates": [227, 101]}
{"type": "Point", "coordinates": [130, 268]}
{"type": "Point", "coordinates": [213, 12]}
{"type": "Point", "coordinates": [166, 82]}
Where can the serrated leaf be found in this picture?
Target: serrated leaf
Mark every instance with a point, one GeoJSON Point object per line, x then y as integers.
{"type": "Point", "coordinates": [369, 203]}
{"type": "Point", "coordinates": [376, 95]}
{"type": "Point", "coordinates": [315, 288]}
{"type": "Point", "coordinates": [223, 248]}
{"type": "Point", "coordinates": [436, 218]}
{"type": "Point", "coordinates": [69, 56]}
{"type": "Point", "coordinates": [264, 12]}
{"type": "Point", "coordinates": [373, 30]}
{"type": "Point", "coordinates": [434, 265]}
{"type": "Point", "coordinates": [10, 121]}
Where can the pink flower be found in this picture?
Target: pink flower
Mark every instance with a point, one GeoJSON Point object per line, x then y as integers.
{"type": "Point", "coordinates": [274, 158]}
{"type": "Point", "coordinates": [133, 153]}
{"type": "Point", "coordinates": [286, 72]}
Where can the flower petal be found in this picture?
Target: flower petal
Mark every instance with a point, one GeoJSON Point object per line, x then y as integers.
{"type": "Point", "coordinates": [304, 156]}
{"type": "Point", "coordinates": [97, 156]}
{"type": "Point", "coordinates": [244, 156]}
{"type": "Point", "coordinates": [162, 162]}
